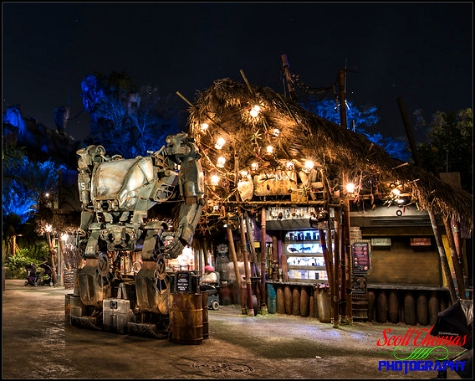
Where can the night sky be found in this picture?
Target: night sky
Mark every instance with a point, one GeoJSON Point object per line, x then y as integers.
{"type": "Point", "coordinates": [422, 52]}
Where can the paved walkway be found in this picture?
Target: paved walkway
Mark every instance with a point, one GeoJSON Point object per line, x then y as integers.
{"type": "Point", "coordinates": [39, 344]}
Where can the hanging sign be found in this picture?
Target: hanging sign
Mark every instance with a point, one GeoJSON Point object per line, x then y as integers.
{"type": "Point", "coordinates": [361, 257]}
{"type": "Point", "coordinates": [420, 241]}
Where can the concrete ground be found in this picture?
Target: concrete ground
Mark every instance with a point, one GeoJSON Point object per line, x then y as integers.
{"type": "Point", "coordinates": [39, 344]}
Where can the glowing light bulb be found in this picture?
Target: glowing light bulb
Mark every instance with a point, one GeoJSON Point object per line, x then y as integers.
{"type": "Point", "coordinates": [275, 132]}
{"type": "Point", "coordinates": [308, 165]}
{"type": "Point", "coordinates": [244, 174]}
{"type": "Point", "coordinates": [215, 180]}
{"type": "Point", "coordinates": [289, 165]}
{"type": "Point", "coordinates": [204, 126]}
{"type": "Point", "coordinates": [350, 187]}
{"type": "Point", "coordinates": [220, 143]}
{"type": "Point", "coordinates": [255, 111]}
{"type": "Point", "coordinates": [254, 166]}
{"type": "Point", "coordinates": [270, 149]}
{"type": "Point", "coordinates": [221, 161]}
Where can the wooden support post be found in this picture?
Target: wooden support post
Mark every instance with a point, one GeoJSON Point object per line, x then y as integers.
{"type": "Point", "coordinates": [52, 253]}
{"type": "Point", "coordinates": [336, 268]}
{"type": "Point", "coordinates": [348, 260]}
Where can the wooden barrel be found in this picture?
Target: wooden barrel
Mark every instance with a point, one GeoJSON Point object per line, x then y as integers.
{"type": "Point", "coordinates": [280, 300]}
{"type": "Point", "coordinates": [204, 299]}
{"type": "Point", "coordinates": [296, 301]}
{"type": "Point", "coordinates": [288, 299]}
{"type": "Point", "coordinates": [371, 305]}
{"type": "Point", "coordinates": [186, 318]}
{"type": "Point", "coordinates": [382, 307]}
{"type": "Point", "coordinates": [409, 308]}
{"type": "Point", "coordinates": [304, 299]}
{"type": "Point", "coordinates": [422, 310]}
{"type": "Point", "coordinates": [393, 306]}
{"type": "Point", "coordinates": [433, 306]}
{"type": "Point", "coordinates": [311, 306]}
{"type": "Point", "coordinates": [359, 306]}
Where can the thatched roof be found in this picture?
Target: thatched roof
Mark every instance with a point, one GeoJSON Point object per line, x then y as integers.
{"type": "Point", "coordinates": [225, 106]}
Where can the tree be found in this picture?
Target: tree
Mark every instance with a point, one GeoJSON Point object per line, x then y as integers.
{"type": "Point", "coordinates": [358, 119]}
{"type": "Point", "coordinates": [25, 184]}
{"type": "Point", "coordinates": [449, 146]}
{"type": "Point", "coordinates": [121, 112]}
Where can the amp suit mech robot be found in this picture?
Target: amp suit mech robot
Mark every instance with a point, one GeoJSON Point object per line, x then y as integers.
{"type": "Point", "coordinates": [117, 195]}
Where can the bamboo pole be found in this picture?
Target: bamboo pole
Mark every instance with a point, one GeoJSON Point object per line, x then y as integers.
{"type": "Point", "coordinates": [232, 250]}
{"type": "Point", "coordinates": [250, 238]}
{"type": "Point", "coordinates": [455, 261]}
{"type": "Point", "coordinates": [443, 257]}
{"type": "Point", "coordinates": [263, 262]}
{"type": "Point", "coordinates": [250, 309]}
{"type": "Point", "coordinates": [326, 256]}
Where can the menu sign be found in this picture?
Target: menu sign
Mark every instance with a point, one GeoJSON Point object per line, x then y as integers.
{"type": "Point", "coordinates": [183, 282]}
{"type": "Point", "coordinates": [361, 257]}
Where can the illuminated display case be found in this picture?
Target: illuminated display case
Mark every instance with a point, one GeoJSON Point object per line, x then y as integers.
{"type": "Point", "coordinates": [305, 262]}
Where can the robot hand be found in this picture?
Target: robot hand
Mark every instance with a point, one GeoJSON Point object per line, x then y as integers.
{"type": "Point", "coordinates": [175, 247]}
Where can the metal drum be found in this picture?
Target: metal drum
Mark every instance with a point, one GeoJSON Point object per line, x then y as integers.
{"type": "Point", "coordinates": [296, 301]}
{"type": "Point", "coordinates": [186, 318]}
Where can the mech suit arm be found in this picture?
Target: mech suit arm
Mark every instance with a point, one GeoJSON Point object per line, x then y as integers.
{"type": "Point", "coordinates": [183, 151]}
